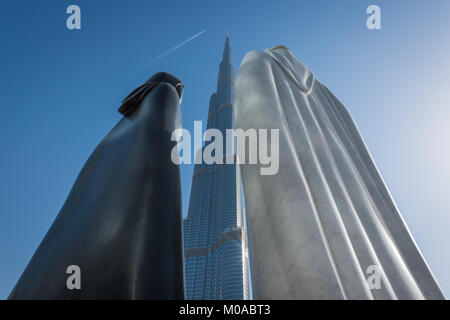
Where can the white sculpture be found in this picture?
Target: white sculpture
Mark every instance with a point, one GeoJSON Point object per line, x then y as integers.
{"type": "Point", "coordinates": [325, 225]}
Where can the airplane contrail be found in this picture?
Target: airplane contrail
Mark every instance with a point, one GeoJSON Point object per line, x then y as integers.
{"type": "Point", "coordinates": [166, 53]}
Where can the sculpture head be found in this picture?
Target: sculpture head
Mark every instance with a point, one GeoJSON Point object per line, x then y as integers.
{"type": "Point", "coordinates": [302, 77]}
{"type": "Point", "coordinates": [133, 100]}
{"type": "Point", "coordinates": [170, 79]}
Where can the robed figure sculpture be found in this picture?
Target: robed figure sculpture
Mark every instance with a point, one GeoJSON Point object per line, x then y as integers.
{"type": "Point", "coordinates": [324, 226]}
{"type": "Point", "coordinates": [120, 226]}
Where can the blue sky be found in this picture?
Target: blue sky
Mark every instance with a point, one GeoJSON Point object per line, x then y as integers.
{"type": "Point", "coordinates": [60, 89]}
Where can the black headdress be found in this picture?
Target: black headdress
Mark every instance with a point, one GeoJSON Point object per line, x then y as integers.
{"type": "Point", "coordinates": [132, 101]}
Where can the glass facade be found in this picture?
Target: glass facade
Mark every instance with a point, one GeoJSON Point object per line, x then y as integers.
{"type": "Point", "coordinates": [215, 241]}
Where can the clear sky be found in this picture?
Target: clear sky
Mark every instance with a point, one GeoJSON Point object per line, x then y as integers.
{"type": "Point", "coordinates": [60, 90]}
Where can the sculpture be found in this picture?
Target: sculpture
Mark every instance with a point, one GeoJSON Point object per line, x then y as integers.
{"type": "Point", "coordinates": [121, 223]}
{"type": "Point", "coordinates": [326, 218]}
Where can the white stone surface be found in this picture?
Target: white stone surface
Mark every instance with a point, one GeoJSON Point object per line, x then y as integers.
{"type": "Point", "coordinates": [326, 216]}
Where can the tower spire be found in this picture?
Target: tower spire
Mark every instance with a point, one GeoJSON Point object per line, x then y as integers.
{"type": "Point", "coordinates": [227, 50]}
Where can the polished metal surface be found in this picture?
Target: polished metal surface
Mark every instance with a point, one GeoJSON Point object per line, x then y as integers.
{"type": "Point", "coordinates": [121, 223]}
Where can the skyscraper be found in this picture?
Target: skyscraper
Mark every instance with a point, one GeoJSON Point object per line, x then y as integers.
{"type": "Point", "coordinates": [215, 241]}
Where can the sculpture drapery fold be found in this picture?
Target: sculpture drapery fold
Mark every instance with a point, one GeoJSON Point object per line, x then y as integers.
{"type": "Point", "coordinates": [121, 223]}
{"type": "Point", "coordinates": [325, 225]}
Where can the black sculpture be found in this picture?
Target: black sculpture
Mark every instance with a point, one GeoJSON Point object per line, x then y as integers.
{"type": "Point", "coordinates": [121, 223]}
